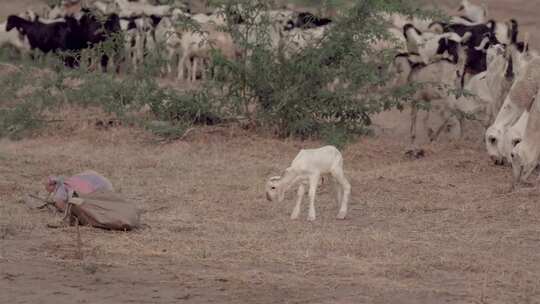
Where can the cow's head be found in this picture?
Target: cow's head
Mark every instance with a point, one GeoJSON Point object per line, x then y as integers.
{"type": "Point", "coordinates": [494, 142]}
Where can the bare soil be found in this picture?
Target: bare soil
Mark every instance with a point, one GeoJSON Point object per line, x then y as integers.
{"type": "Point", "coordinates": [439, 229]}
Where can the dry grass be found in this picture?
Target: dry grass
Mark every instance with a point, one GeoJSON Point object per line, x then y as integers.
{"type": "Point", "coordinates": [442, 229]}
{"type": "Point", "coordinates": [425, 231]}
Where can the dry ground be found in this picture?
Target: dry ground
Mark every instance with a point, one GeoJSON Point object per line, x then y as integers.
{"type": "Point", "coordinates": [437, 230]}
{"type": "Point", "coordinates": [442, 229]}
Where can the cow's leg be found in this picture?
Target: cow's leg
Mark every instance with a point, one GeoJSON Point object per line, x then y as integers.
{"type": "Point", "coordinates": [313, 181]}
{"type": "Point", "coordinates": [414, 115]}
{"type": "Point", "coordinates": [300, 195]}
{"type": "Point", "coordinates": [345, 189]}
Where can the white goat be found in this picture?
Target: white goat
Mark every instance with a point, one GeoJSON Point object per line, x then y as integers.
{"type": "Point", "coordinates": [306, 170]}
{"type": "Point", "coordinates": [198, 46]}
{"type": "Point", "coordinates": [128, 9]}
{"type": "Point", "coordinates": [13, 38]}
{"type": "Point", "coordinates": [475, 13]}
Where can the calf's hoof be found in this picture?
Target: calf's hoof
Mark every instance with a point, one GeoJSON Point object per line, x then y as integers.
{"type": "Point", "coordinates": [341, 215]}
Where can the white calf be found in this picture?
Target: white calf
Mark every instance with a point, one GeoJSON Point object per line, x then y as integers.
{"type": "Point", "coordinates": [306, 170]}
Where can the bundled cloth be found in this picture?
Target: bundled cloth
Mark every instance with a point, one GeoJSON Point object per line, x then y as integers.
{"type": "Point", "coordinates": [89, 198]}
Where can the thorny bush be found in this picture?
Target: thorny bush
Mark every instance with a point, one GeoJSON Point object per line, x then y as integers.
{"type": "Point", "coordinates": [329, 90]}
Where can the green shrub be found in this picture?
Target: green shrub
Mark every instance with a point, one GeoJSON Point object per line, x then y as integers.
{"type": "Point", "coordinates": [21, 120]}
{"type": "Point", "coordinates": [292, 93]}
{"type": "Point", "coordinates": [288, 95]}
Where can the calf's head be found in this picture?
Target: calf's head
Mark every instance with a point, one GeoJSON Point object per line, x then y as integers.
{"type": "Point", "coordinates": [274, 190]}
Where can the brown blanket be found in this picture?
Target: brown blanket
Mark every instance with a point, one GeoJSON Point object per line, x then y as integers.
{"type": "Point", "coordinates": [105, 209]}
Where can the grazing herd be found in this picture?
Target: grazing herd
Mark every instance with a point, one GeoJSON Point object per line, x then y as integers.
{"type": "Point", "coordinates": [146, 29]}
{"type": "Point", "coordinates": [475, 67]}
{"type": "Point", "coordinates": [469, 66]}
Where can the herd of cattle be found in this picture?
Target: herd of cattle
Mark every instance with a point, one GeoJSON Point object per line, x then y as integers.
{"type": "Point", "coordinates": [469, 66]}
{"type": "Point", "coordinates": [475, 67]}
{"type": "Point", "coordinates": [146, 29]}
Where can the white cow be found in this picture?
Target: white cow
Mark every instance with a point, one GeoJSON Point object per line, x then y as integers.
{"type": "Point", "coordinates": [509, 112]}
{"type": "Point", "coordinates": [527, 97]}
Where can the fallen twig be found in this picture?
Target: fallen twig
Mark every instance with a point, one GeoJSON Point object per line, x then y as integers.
{"type": "Point", "coordinates": [79, 241]}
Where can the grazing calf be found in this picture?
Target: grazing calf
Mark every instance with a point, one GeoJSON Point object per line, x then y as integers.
{"type": "Point", "coordinates": [306, 170]}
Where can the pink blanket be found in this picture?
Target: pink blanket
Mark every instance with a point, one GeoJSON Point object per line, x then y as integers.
{"type": "Point", "coordinates": [83, 183]}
